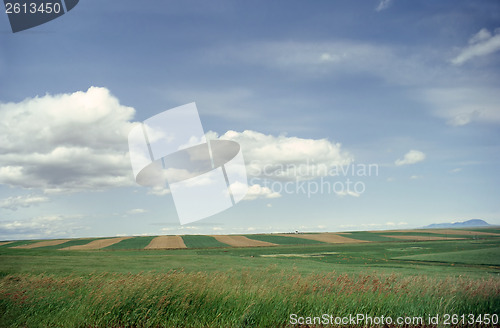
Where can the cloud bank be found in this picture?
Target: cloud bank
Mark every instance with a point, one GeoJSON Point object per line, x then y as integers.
{"type": "Point", "coordinates": [13, 203]}
{"type": "Point", "coordinates": [78, 142]}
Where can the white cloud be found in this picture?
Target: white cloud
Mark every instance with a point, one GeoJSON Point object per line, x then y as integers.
{"type": "Point", "coordinates": [347, 193]}
{"type": "Point", "coordinates": [411, 157]}
{"type": "Point", "coordinates": [159, 191]}
{"type": "Point", "coordinates": [52, 226]}
{"type": "Point", "coordinates": [287, 158]}
{"type": "Point", "coordinates": [483, 43]}
{"type": "Point", "coordinates": [461, 106]}
{"type": "Point", "coordinates": [254, 191]}
{"type": "Point", "coordinates": [65, 142]}
{"type": "Point", "coordinates": [377, 226]}
{"type": "Point", "coordinates": [137, 211]}
{"type": "Point", "coordinates": [15, 202]}
{"type": "Point", "coordinates": [383, 4]}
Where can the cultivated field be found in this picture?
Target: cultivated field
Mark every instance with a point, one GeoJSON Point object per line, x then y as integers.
{"type": "Point", "coordinates": [96, 244]}
{"type": "Point", "coordinates": [164, 242]}
{"type": "Point", "coordinates": [241, 241]}
{"type": "Point", "coordinates": [251, 280]}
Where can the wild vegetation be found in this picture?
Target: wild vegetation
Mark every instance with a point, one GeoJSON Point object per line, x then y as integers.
{"type": "Point", "coordinates": [248, 286]}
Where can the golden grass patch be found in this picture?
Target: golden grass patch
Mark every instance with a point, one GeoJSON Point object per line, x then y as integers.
{"type": "Point", "coordinates": [241, 241]}
{"type": "Point", "coordinates": [163, 242]}
{"type": "Point", "coordinates": [43, 243]}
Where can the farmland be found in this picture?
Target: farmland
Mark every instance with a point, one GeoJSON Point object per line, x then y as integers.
{"type": "Point", "coordinates": [209, 283]}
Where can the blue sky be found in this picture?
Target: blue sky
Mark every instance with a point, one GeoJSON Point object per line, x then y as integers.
{"type": "Point", "coordinates": [411, 87]}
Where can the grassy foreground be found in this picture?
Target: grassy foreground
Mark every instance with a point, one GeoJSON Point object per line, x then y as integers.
{"type": "Point", "coordinates": [232, 299]}
{"type": "Point", "coordinates": [249, 287]}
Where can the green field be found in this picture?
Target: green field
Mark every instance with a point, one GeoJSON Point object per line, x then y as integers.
{"type": "Point", "coordinates": [200, 241]}
{"type": "Point", "coordinates": [75, 242]}
{"type": "Point", "coordinates": [19, 243]}
{"type": "Point", "coordinates": [132, 243]}
{"type": "Point", "coordinates": [368, 236]}
{"type": "Point", "coordinates": [210, 284]}
{"type": "Point", "coordinates": [488, 256]}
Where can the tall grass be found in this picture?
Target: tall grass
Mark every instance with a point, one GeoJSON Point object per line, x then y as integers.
{"type": "Point", "coordinates": [248, 298]}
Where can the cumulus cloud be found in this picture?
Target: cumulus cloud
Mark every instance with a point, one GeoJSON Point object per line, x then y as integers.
{"type": "Point", "coordinates": [78, 141]}
{"type": "Point", "coordinates": [411, 157]}
{"type": "Point", "coordinates": [287, 158]}
{"type": "Point", "coordinates": [65, 142]}
{"type": "Point", "coordinates": [15, 202]}
{"type": "Point", "coordinates": [483, 43]}
{"type": "Point", "coordinates": [383, 4]}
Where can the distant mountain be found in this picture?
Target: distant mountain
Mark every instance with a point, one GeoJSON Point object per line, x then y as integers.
{"type": "Point", "coordinates": [465, 224]}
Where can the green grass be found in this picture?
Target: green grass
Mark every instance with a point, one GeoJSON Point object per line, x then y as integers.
{"type": "Point", "coordinates": [200, 241]}
{"type": "Point", "coordinates": [368, 236]}
{"type": "Point", "coordinates": [489, 256]}
{"type": "Point", "coordinates": [132, 243]}
{"type": "Point", "coordinates": [248, 298]}
{"type": "Point", "coordinates": [430, 234]}
{"type": "Point", "coordinates": [282, 240]}
{"type": "Point", "coordinates": [495, 229]}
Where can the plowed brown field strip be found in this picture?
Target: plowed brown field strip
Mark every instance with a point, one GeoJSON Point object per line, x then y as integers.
{"type": "Point", "coordinates": [43, 243]}
{"type": "Point", "coordinates": [241, 241]}
{"type": "Point", "coordinates": [163, 242]}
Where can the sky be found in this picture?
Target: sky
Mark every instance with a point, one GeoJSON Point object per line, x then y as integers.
{"type": "Point", "coordinates": [351, 115]}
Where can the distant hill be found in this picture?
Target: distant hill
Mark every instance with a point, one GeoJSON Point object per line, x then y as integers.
{"type": "Point", "coordinates": [465, 224]}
